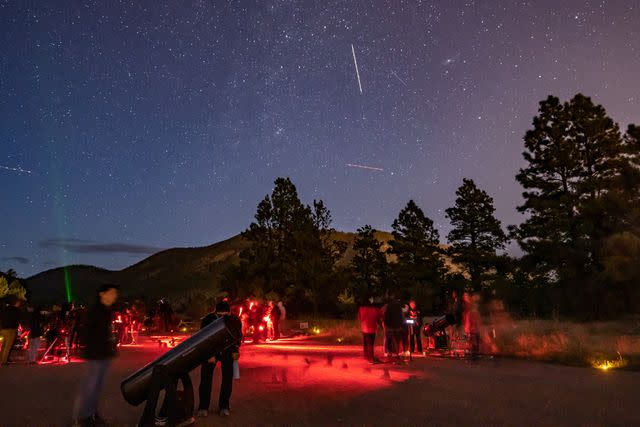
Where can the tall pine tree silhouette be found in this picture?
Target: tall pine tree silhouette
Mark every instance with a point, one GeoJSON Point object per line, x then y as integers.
{"type": "Point", "coordinates": [476, 234]}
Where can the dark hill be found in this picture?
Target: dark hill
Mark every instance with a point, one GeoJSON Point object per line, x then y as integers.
{"type": "Point", "coordinates": [167, 273]}
{"type": "Point", "coordinates": [49, 286]}
{"type": "Point", "coordinates": [171, 273]}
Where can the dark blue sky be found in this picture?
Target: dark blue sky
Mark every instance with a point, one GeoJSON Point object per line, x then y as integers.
{"type": "Point", "coordinates": [131, 126]}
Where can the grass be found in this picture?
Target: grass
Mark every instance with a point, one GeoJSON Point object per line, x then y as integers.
{"type": "Point", "coordinates": [568, 342]}
{"type": "Point", "coordinates": [605, 345]}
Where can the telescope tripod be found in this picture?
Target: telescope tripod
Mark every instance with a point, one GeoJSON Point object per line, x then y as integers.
{"type": "Point", "coordinates": [177, 407]}
{"type": "Point", "coordinates": [411, 332]}
{"type": "Point", "coordinates": [51, 350]}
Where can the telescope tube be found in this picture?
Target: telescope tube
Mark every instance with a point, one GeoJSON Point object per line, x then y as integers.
{"type": "Point", "coordinates": [183, 358]}
{"type": "Point", "coordinates": [437, 325]}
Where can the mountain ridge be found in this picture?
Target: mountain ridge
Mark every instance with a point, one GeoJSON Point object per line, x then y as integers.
{"type": "Point", "coordinates": [168, 273]}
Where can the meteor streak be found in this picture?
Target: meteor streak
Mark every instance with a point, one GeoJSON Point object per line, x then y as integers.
{"type": "Point", "coordinates": [18, 169]}
{"type": "Point", "coordinates": [355, 62]}
{"type": "Point", "coordinates": [371, 168]}
{"type": "Point", "coordinates": [398, 77]}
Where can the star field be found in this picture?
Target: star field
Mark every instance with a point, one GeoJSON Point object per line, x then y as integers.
{"type": "Point", "coordinates": [156, 124]}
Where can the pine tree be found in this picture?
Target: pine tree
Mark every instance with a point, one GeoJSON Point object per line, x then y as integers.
{"type": "Point", "coordinates": [621, 250]}
{"type": "Point", "coordinates": [630, 178]}
{"type": "Point", "coordinates": [290, 251]}
{"type": "Point", "coordinates": [575, 157]}
{"type": "Point", "coordinates": [279, 238]}
{"type": "Point", "coordinates": [416, 247]}
{"type": "Point", "coordinates": [369, 264]}
{"type": "Point", "coordinates": [476, 233]}
{"type": "Point", "coordinates": [323, 252]}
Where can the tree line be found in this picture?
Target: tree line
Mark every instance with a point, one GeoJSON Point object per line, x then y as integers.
{"type": "Point", "coordinates": [580, 235]}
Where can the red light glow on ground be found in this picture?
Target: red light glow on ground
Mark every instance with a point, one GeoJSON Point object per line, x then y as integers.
{"type": "Point", "coordinates": [60, 361]}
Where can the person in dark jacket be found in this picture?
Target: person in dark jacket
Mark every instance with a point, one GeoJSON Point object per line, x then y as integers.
{"type": "Point", "coordinates": [393, 320]}
{"type": "Point", "coordinates": [100, 349]}
{"type": "Point", "coordinates": [9, 322]}
{"type": "Point", "coordinates": [166, 315]}
{"type": "Point", "coordinates": [226, 359]}
{"type": "Point", "coordinates": [258, 323]}
{"type": "Point", "coordinates": [274, 316]}
{"type": "Point", "coordinates": [36, 331]}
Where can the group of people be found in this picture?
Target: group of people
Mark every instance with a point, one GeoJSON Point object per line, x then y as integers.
{"type": "Point", "coordinates": [101, 347]}
{"type": "Point", "coordinates": [57, 327]}
{"type": "Point", "coordinates": [402, 325]}
{"type": "Point", "coordinates": [127, 323]}
{"type": "Point", "coordinates": [262, 322]}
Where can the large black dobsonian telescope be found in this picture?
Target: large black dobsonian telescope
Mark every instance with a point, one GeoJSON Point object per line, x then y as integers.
{"type": "Point", "coordinates": [175, 365]}
{"type": "Point", "coordinates": [437, 330]}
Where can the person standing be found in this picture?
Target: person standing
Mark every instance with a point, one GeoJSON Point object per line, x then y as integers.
{"type": "Point", "coordinates": [369, 317]}
{"type": "Point", "coordinates": [405, 330]}
{"type": "Point", "coordinates": [414, 327]}
{"type": "Point", "coordinates": [259, 323]}
{"type": "Point", "coordinates": [471, 323]}
{"type": "Point", "coordinates": [226, 359]}
{"type": "Point", "coordinates": [9, 322]}
{"type": "Point", "coordinates": [268, 321]}
{"type": "Point", "coordinates": [283, 316]}
{"type": "Point", "coordinates": [35, 332]}
{"type": "Point", "coordinates": [393, 326]}
{"type": "Point", "coordinates": [275, 320]}
{"type": "Point", "coordinates": [100, 349]}
{"type": "Point", "coordinates": [166, 315]}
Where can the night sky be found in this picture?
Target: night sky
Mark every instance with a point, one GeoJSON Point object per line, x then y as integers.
{"type": "Point", "coordinates": [127, 127]}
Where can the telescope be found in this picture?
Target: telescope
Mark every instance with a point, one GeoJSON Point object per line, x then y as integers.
{"type": "Point", "coordinates": [164, 372]}
{"type": "Point", "coordinates": [438, 325]}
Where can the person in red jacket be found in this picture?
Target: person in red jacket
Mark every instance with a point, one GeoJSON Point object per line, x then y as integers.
{"type": "Point", "coordinates": [369, 317]}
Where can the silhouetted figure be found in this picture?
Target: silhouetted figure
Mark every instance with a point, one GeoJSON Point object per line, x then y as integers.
{"type": "Point", "coordinates": [283, 316]}
{"type": "Point", "coordinates": [100, 349]}
{"type": "Point", "coordinates": [415, 326]}
{"type": "Point", "coordinates": [471, 323]}
{"type": "Point", "coordinates": [393, 326]}
{"type": "Point", "coordinates": [369, 317]}
{"type": "Point", "coordinates": [274, 316]}
{"type": "Point", "coordinates": [166, 313]}
{"type": "Point", "coordinates": [259, 323]}
{"type": "Point", "coordinates": [226, 359]}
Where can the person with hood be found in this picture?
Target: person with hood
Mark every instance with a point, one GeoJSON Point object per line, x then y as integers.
{"type": "Point", "coordinates": [226, 359]}
{"type": "Point", "coordinates": [100, 349]}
